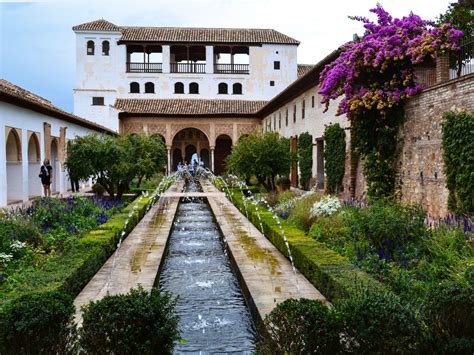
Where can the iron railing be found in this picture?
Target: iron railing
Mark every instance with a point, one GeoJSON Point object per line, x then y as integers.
{"type": "Point", "coordinates": [133, 67]}
{"type": "Point", "coordinates": [188, 68]}
{"type": "Point", "coordinates": [461, 62]}
{"type": "Point", "coordinates": [231, 68]}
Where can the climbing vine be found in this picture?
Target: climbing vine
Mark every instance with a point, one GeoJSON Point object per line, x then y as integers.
{"type": "Point", "coordinates": [458, 148]}
{"type": "Point", "coordinates": [375, 75]}
{"type": "Point", "coordinates": [305, 158]}
{"type": "Point", "coordinates": [334, 156]}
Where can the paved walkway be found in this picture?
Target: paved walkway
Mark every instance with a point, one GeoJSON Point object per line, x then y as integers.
{"type": "Point", "coordinates": [267, 275]}
{"type": "Point", "coordinates": [138, 259]}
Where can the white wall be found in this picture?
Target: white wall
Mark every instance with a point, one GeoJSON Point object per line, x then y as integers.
{"type": "Point", "coordinates": [15, 178]}
{"type": "Point", "coordinates": [106, 76]}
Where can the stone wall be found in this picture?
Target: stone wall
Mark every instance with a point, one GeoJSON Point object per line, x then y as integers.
{"type": "Point", "coordinates": [421, 165]}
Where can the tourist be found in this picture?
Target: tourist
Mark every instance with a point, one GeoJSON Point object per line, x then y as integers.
{"type": "Point", "coordinates": [46, 175]}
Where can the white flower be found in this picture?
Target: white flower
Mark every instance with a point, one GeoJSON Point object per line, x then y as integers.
{"type": "Point", "coordinates": [5, 259]}
{"type": "Point", "coordinates": [326, 206]}
{"type": "Point", "coordinates": [17, 246]}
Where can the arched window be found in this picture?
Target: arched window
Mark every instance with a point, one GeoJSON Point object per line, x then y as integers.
{"type": "Point", "coordinates": [223, 88]}
{"type": "Point", "coordinates": [90, 47]}
{"type": "Point", "coordinates": [179, 88]}
{"type": "Point", "coordinates": [134, 88]}
{"type": "Point", "coordinates": [105, 47]}
{"type": "Point", "coordinates": [149, 88]}
{"type": "Point", "coordinates": [194, 88]}
{"type": "Point", "coordinates": [237, 89]}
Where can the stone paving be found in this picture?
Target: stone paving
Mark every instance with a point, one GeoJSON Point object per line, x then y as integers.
{"type": "Point", "coordinates": [266, 276]}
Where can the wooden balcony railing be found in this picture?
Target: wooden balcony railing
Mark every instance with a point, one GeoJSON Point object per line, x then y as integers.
{"type": "Point", "coordinates": [231, 68]}
{"type": "Point", "coordinates": [188, 68]}
{"type": "Point", "coordinates": [144, 67]}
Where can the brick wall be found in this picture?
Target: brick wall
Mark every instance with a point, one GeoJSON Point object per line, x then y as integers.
{"type": "Point", "coordinates": [420, 172]}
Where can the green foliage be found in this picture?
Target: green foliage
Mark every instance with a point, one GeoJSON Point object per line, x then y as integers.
{"type": "Point", "coordinates": [376, 322]}
{"type": "Point", "coordinates": [334, 157]}
{"type": "Point", "coordinates": [135, 323]}
{"type": "Point", "coordinates": [374, 135]}
{"type": "Point", "coordinates": [450, 314]}
{"type": "Point", "coordinates": [458, 148]}
{"type": "Point", "coordinates": [301, 327]}
{"type": "Point", "coordinates": [331, 230]}
{"type": "Point", "coordinates": [264, 156]}
{"type": "Point", "coordinates": [305, 158]}
{"type": "Point", "coordinates": [98, 189]}
{"type": "Point", "coordinates": [115, 161]}
{"type": "Point", "coordinates": [300, 215]}
{"type": "Point", "coordinates": [14, 227]}
{"type": "Point", "coordinates": [460, 14]}
{"type": "Point", "coordinates": [38, 324]}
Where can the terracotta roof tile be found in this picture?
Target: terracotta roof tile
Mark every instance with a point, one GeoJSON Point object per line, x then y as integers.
{"type": "Point", "coordinates": [98, 25]}
{"type": "Point", "coordinates": [188, 34]}
{"type": "Point", "coordinates": [303, 69]}
{"type": "Point", "coordinates": [12, 93]}
{"type": "Point", "coordinates": [189, 106]}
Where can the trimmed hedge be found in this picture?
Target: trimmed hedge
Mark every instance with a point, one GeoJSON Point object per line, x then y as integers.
{"type": "Point", "coordinates": [330, 272]}
{"type": "Point", "coordinates": [70, 271]}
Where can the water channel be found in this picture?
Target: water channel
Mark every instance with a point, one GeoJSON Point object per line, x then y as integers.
{"type": "Point", "coordinates": [214, 316]}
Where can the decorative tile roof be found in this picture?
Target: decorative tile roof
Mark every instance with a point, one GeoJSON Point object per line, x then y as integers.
{"type": "Point", "coordinates": [303, 69]}
{"type": "Point", "coordinates": [188, 34]}
{"type": "Point", "coordinates": [98, 25]}
{"type": "Point", "coordinates": [189, 106]}
{"type": "Point", "coordinates": [15, 95]}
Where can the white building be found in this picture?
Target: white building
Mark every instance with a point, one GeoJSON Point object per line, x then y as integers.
{"type": "Point", "coordinates": [119, 62]}
{"type": "Point", "coordinates": [34, 129]}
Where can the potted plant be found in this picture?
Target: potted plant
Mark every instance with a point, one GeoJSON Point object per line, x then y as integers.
{"type": "Point", "coordinates": [283, 183]}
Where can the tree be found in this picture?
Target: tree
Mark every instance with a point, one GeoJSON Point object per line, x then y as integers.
{"type": "Point", "coordinates": [334, 156]}
{"type": "Point", "coordinates": [263, 156]}
{"type": "Point", "coordinates": [461, 15]}
{"type": "Point", "coordinates": [375, 74]}
{"type": "Point", "coordinates": [115, 161]}
{"type": "Point", "coordinates": [305, 158]}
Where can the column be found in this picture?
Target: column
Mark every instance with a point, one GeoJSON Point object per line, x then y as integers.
{"type": "Point", "coordinates": [442, 67]}
{"type": "Point", "coordinates": [166, 58]}
{"type": "Point", "coordinates": [3, 167]}
{"type": "Point", "coordinates": [209, 59]}
{"type": "Point", "coordinates": [212, 158]}
{"type": "Point", "coordinates": [168, 150]}
{"type": "Point", "coordinates": [24, 165]}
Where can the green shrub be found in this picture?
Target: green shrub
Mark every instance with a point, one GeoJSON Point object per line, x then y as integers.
{"type": "Point", "coordinates": [38, 324]}
{"type": "Point", "coordinates": [449, 310]}
{"type": "Point", "coordinates": [98, 189]}
{"type": "Point", "coordinates": [334, 156]}
{"type": "Point", "coordinates": [135, 323]}
{"type": "Point", "coordinates": [15, 228]}
{"type": "Point", "coordinates": [301, 216]}
{"type": "Point", "coordinates": [305, 158]}
{"type": "Point", "coordinates": [301, 327]}
{"type": "Point", "coordinates": [376, 322]}
{"type": "Point", "coordinates": [331, 230]}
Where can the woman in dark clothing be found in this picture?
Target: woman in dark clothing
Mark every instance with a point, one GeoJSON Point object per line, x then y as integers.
{"type": "Point", "coordinates": [46, 175]}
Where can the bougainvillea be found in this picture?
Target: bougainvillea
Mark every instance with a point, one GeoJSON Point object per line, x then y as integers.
{"type": "Point", "coordinates": [374, 75]}
{"type": "Point", "coordinates": [376, 71]}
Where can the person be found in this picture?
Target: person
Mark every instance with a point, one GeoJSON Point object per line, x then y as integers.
{"type": "Point", "coordinates": [74, 184]}
{"type": "Point", "coordinates": [46, 175]}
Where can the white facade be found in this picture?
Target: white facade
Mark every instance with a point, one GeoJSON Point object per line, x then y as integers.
{"type": "Point", "coordinates": [106, 76]}
{"type": "Point", "coordinates": [23, 148]}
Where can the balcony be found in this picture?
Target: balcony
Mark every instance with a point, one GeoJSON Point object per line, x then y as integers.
{"type": "Point", "coordinates": [135, 67]}
{"type": "Point", "coordinates": [231, 68]}
{"type": "Point", "coordinates": [199, 68]}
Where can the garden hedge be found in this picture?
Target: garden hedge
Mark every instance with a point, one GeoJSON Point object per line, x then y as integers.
{"type": "Point", "coordinates": [70, 271]}
{"type": "Point", "coordinates": [330, 272]}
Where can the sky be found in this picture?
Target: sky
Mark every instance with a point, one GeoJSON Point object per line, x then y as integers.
{"type": "Point", "coordinates": [37, 44]}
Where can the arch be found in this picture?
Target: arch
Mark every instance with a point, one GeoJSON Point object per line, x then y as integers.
{"type": "Point", "coordinates": [105, 47]}
{"type": "Point", "coordinates": [223, 88]}
{"type": "Point", "coordinates": [179, 88]}
{"type": "Point", "coordinates": [194, 88]}
{"type": "Point", "coordinates": [34, 164]}
{"type": "Point", "coordinates": [13, 146]}
{"type": "Point", "coordinates": [149, 88]}
{"type": "Point", "coordinates": [14, 188]}
{"type": "Point", "coordinates": [188, 152]}
{"type": "Point", "coordinates": [90, 47]}
{"type": "Point", "coordinates": [204, 153]}
{"type": "Point", "coordinates": [55, 164]}
{"type": "Point", "coordinates": [222, 150]}
{"type": "Point", "coordinates": [134, 87]}
{"type": "Point", "coordinates": [237, 89]}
